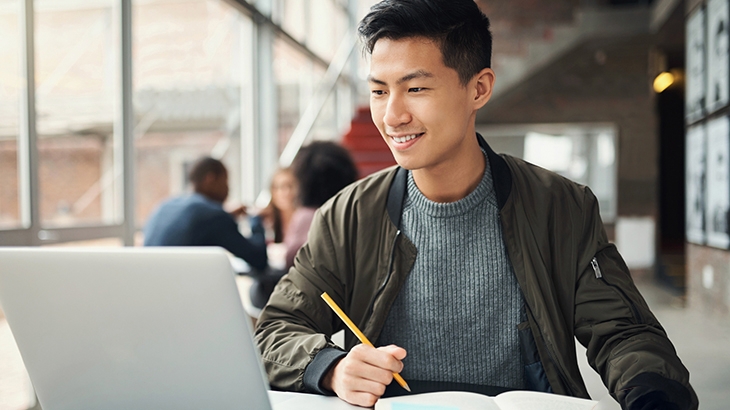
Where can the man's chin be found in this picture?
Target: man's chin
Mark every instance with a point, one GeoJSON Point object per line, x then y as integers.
{"type": "Point", "coordinates": [403, 161]}
{"type": "Point", "coordinates": [409, 165]}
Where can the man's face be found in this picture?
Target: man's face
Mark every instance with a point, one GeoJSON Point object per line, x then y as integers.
{"type": "Point", "coordinates": [217, 186]}
{"type": "Point", "coordinates": [423, 112]}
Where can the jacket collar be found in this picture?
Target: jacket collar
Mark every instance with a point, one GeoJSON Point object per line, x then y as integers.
{"type": "Point", "coordinates": [501, 177]}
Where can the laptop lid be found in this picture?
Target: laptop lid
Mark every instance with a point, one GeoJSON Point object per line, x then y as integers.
{"type": "Point", "coordinates": [131, 328]}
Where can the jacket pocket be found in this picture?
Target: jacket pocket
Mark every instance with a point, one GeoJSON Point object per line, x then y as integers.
{"type": "Point", "coordinates": [618, 289]}
{"type": "Point", "coordinates": [535, 377]}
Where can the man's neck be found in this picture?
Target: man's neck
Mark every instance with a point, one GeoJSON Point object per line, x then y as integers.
{"type": "Point", "coordinates": [207, 196]}
{"type": "Point", "coordinates": [452, 181]}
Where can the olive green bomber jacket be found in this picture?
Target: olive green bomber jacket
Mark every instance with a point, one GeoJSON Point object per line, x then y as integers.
{"type": "Point", "coordinates": [574, 282]}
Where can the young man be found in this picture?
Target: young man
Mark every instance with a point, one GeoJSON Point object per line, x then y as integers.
{"type": "Point", "coordinates": [198, 219]}
{"type": "Point", "coordinates": [482, 267]}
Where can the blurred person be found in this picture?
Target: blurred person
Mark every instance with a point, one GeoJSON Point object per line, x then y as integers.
{"type": "Point", "coordinates": [278, 214]}
{"type": "Point", "coordinates": [462, 265]}
{"type": "Point", "coordinates": [198, 218]}
{"type": "Point", "coordinates": [322, 169]}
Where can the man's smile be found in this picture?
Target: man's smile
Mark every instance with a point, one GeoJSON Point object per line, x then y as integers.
{"type": "Point", "coordinates": [403, 138]}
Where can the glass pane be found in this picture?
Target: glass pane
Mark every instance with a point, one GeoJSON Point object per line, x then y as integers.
{"type": "Point", "coordinates": [293, 17]}
{"type": "Point", "coordinates": [300, 19]}
{"type": "Point", "coordinates": [12, 82]}
{"type": "Point", "coordinates": [324, 39]}
{"type": "Point", "coordinates": [187, 94]}
{"type": "Point", "coordinates": [583, 153]}
{"type": "Point", "coordinates": [553, 152]}
{"type": "Point", "coordinates": [77, 90]}
{"type": "Point", "coordinates": [325, 126]}
{"type": "Point", "coordinates": [296, 78]}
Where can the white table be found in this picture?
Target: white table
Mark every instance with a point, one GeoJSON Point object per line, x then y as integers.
{"type": "Point", "coordinates": [304, 401]}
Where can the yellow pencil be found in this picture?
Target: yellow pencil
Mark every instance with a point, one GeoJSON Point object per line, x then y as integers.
{"type": "Point", "coordinates": [358, 333]}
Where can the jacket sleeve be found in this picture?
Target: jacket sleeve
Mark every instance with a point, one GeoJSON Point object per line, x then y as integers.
{"type": "Point", "coordinates": [625, 343]}
{"type": "Point", "coordinates": [295, 327]}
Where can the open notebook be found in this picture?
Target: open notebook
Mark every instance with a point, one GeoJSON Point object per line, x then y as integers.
{"type": "Point", "coordinates": [131, 328]}
{"type": "Point", "coordinates": [513, 400]}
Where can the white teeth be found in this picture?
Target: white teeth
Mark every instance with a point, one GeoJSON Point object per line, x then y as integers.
{"type": "Point", "coordinates": [405, 138]}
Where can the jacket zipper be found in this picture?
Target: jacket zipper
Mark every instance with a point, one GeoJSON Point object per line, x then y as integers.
{"type": "Point", "coordinates": [599, 275]}
{"type": "Point", "coordinates": [387, 275]}
{"type": "Point", "coordinates": [555, 363]}
{"type": "Point", "coordinates": [596, 268]}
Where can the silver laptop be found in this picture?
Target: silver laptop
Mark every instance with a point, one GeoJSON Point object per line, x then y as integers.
{"type": "Point", "coordinates": [131, 328]}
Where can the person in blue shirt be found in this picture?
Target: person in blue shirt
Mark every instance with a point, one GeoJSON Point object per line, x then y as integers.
{"type": "Point", "coordinates": [198, 219]}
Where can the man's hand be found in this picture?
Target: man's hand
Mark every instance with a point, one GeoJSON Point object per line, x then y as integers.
{"type": "Point", "coordinates": [361, 376]}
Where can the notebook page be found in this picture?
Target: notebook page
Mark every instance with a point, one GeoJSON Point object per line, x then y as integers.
{"type": "Point", "coordinates": [527, 400]}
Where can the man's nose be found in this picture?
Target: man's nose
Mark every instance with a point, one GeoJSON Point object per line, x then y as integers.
{"type": "Point", "coordinates": [396, 112]}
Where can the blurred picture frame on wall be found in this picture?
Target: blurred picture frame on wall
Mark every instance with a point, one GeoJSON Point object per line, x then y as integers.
{"type": "Point", "coordinates": [696, 61]}
{"type": "Point", "coordinates": [696, 183]}
{"type": "Point", "coordinates": [718, 63]}
{"type": "Point", "coordinates": [718, 182]}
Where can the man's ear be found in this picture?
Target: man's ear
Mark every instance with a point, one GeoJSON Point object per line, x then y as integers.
{"type": "Point", "coordinates": [483, 84]}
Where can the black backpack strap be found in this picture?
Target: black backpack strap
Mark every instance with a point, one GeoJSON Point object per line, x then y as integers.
{"type": "Point", "coordinates": [396, 195]}
{"type": "Point", "coordinates": [501, 175]}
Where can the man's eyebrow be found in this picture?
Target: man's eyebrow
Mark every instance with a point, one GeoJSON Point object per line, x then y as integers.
{"type": "Point", "coordinates": [413, 76]}
{"type": "Point", "coordinates": [407, 77]}
{"type": "Point", "coordinates": [372, 79]}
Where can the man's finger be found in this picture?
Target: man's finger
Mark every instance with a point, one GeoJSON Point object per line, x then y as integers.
{"type": "Point", "coordinates": [360, 399]}
{"type": "Point", "coordinates": [356, 368]}
{"type": "Point", "coordinates": [395, 351]}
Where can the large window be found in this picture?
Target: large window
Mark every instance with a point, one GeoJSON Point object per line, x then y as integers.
{"type": "Point", "coordinates": [122, 100]}
{"type": "Point", "coordinates": [77, 87]}
{"type": "Point", "coordinates": [12, 83]}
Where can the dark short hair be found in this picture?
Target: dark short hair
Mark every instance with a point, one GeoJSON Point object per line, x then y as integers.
{"type": "Point", "coordinates": [322, 168]}
{"type": "Point", "coordinates": [203, 167]}
{"type": "Point", "coordinates": [457, 26]}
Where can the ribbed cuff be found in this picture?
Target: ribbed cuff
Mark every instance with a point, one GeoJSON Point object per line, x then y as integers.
{"type": "Point", "coordinates": [652, 391]}
{"type": "Point", "coordinates": [318, 368]}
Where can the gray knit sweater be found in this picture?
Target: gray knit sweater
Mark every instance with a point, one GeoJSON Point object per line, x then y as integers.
{"type": "Point", "coordinates": [458, 311]}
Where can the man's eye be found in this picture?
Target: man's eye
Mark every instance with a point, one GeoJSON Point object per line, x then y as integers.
{"type": "Point", "coordinates": [415, 89]}
{"type": "Point", "coordinates": [377, 92]}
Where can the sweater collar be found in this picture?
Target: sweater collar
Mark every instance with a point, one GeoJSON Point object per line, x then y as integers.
{"type": "Point", "coordinates": [501, 178]}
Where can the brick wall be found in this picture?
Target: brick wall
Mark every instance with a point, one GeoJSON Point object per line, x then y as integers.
{"type": "Point", "coordinates": [71, 166]}
{"type": "Point", "coordinates": [68, 168]}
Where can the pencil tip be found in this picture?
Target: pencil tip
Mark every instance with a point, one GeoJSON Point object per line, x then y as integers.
{"type": "Point", "coordinates": [405, 386]}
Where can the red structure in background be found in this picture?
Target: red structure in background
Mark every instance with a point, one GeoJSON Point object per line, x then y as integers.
{"type": "Point", "coordinates": [365, 144]}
